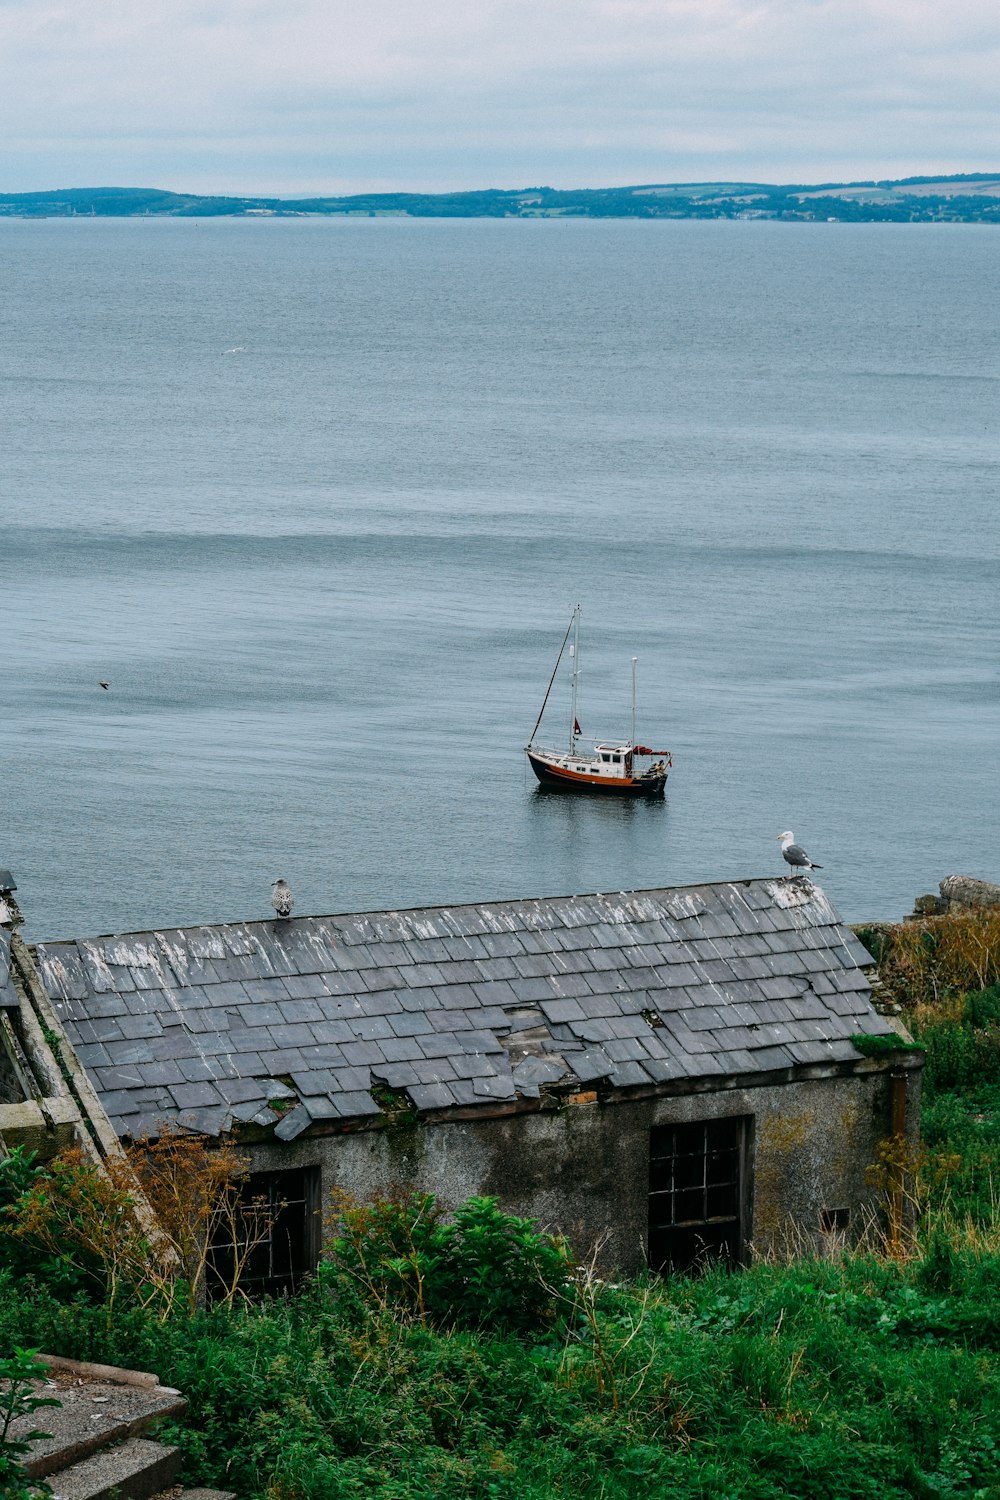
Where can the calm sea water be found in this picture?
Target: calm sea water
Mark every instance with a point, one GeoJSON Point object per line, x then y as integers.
{"type": "Point", "coordinates": [317, 498]}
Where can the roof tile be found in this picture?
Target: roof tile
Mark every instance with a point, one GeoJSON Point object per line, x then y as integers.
{"type": "Point", "coordinates": [629, 1075]}
{"type": "Point", "coordinates": [431, 1096]}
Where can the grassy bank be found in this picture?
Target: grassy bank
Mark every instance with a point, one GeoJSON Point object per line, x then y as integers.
{"type": "Point", "coordinates": [860, 1378]}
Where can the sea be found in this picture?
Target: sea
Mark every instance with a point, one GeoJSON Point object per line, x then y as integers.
{"type": "Point", "coordinates": [316, 498]}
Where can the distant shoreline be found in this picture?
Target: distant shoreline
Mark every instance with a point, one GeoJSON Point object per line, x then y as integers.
{"type": "Point", "coordinates": [963, 198]}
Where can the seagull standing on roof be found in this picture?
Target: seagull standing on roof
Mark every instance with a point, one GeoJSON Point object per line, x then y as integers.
{"type": "Point", "coordinates": [793, 854]}
{"type": "Point", "coordinates": [281, 897]}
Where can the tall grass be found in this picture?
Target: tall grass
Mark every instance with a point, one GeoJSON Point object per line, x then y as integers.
{"type": "Point", "coordinates": [936, 960]}
{"type": "Point", "coordinates": [859, 1378]}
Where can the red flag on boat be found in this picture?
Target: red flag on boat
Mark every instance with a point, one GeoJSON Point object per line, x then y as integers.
{"type": "Point", "coordinates": [576, 727]}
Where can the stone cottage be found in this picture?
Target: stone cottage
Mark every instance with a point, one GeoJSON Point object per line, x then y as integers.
{"type": "Point", "coordinates": [669, 1074]}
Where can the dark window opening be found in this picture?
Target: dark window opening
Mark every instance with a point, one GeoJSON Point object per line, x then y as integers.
{"type": "Point", "coordinates": [834, 1220]}
{"type": "Point", "coordinates": [697, 1193]}
{"type": "Point", "coordinates": [277, 1264]}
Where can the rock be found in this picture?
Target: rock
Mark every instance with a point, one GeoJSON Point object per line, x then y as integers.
{"type": "Point", "coordinates": [965, 892]}
{"type": "Point", "coordinates": [929, 906]}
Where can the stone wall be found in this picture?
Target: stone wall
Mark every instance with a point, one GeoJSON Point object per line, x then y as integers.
{"type": "Point", "coordinates": [47, 1104]}
{"type": "Point", "coordinates": [584, 1169]}
{"type": "Point", "coordinates": [11, 1089]}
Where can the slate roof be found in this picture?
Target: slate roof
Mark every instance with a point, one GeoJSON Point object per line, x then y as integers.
{"type": "Point", "coordinates": [459, 1006]}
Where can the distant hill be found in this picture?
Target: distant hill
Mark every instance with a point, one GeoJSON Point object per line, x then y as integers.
{"type": "Point", "coordinates": [958, 199]}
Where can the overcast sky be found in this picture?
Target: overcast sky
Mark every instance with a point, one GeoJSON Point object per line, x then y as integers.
{"type": "Point", "coordinates": [335, 96]}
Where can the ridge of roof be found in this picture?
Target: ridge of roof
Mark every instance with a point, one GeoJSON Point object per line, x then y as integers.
{"type": "Point", "coordinates": [490, 901]}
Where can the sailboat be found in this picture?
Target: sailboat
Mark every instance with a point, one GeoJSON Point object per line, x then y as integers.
{"type": "Point", "coordinates": [610, 767]}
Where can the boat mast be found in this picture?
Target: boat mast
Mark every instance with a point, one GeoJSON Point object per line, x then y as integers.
{"type": "Point", "coordinates": [574, 652]}
{"type": "Point", "coordinates": [634, 661]}
{"type": "Point", "coordinates": [552, 679]}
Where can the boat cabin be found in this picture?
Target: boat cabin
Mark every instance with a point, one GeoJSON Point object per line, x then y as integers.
{"type": "Point", "coordinates": [615, 760]}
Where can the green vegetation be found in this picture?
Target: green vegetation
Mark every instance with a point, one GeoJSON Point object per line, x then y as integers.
{"type": "Point", "coordinates": [470, 1358]}
{"type": "Point", "coordinates": [883, 1046]}
{"type": "Point", "coordinates": [483, 1269]}
{"type": "Point", "coordinates": [19, 1374]}
{"type": "Point", "coordinates": [957, 198]}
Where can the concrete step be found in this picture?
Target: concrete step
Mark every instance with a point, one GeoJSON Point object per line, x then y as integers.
{"type": "Point", "coordinates": [176, 1493]}
{"type": "Point", "coordinates": [207, 1495]}
{"type": "Point", "coordinates": [137, 1470]}
{"type": "Point", "coordinates": [98, 1406]}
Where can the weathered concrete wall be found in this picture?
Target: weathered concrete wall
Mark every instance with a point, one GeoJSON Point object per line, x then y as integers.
{"type": "Point", "coordinates": [584, 1169]}
{"type": "Point", "coordinates": [45, 1132]}
{"type": "Point", "coordinates": [47, 1103]}
{"type": "Point", "coordinates": [11, 1090]}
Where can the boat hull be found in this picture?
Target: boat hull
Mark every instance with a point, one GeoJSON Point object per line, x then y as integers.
{"type": "Point", "coordinates": [561, 780]}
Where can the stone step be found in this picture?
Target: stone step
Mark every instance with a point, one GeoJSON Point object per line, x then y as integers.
{"type": "Point", "coordinates": [196, 1494]}
{"type": "Point", "coordinates": [98, 1406]}
{"type": "Point", "coordinates": [137, 1470]}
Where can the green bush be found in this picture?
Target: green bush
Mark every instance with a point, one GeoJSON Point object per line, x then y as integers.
{"type": "Point", "coordinates": [482, 1269]}
{"type": "Point", "coordinates": [962, 1043]}
{"type": "Point", "coordinates": [861, 1378]}
{"type": "Point", "coordinates": [19, 1176]}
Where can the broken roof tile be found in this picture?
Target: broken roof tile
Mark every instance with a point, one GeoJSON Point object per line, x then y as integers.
{"type": "Point", "coordinates": [214, 1120]}
{"type": "Point", "coordinates": [629, 1075]}
{"type": "Point", "coordinates": [194, 1095]}
{"type": "Point", "coordinates": [293, 1123]}
{"type": "Point", "coordinates": [431, 1096]}
{"type": "Point", "coordinates": [591, 1064]}
{"type": "Point", "coordinates": [538, 1070]}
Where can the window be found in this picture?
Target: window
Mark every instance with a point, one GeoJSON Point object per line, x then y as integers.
{"type": "Point", "coordinates": [277, 1265]}
{"type": "Point", "coordinates": [697, 1178]}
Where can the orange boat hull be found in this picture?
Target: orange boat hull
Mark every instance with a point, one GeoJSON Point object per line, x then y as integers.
{"type": "Point", "coordinates": [560, 779]}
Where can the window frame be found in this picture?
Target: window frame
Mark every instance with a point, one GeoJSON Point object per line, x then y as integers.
{"type": "Point", "coordinates": [289, 1191]}
{"type": "Point", "coordinates": [698, 1202]}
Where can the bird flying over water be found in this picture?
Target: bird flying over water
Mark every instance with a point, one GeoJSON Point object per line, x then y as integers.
{"type": "Point", "coordinates": [794, 854]}
{"type": "Point", "coordinates": [281, 897]}
{"type": "Point", "coordinates": [104, 685]}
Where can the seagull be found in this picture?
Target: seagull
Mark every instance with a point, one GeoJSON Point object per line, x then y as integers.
{"type": "Point", "coordinates": [104, 685]}
{"type": "Point", "coordinates": [794, 854]}
{"type": "Point", "coordinates": [281, 897]}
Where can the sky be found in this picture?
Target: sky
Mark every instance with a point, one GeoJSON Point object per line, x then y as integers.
{"type": "Point", "coordinates": [291, 97]}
